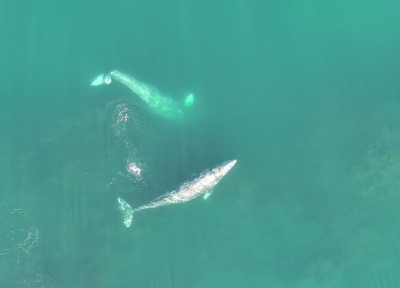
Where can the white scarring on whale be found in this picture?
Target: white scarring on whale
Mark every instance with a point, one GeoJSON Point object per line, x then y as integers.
{"type": "Point", "coordinates": [204, 183]}
{"type": "Point", "coordinates": [158, 102]}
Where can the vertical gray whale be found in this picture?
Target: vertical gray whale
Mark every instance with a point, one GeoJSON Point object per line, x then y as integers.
{"type": "Point", "coordinates": [159, 103]}
{"type": "Point", "coordinates": [203, 183]}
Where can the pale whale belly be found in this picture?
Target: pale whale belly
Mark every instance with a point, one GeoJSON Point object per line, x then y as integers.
{"type": "Point", "coordinates": [158, 102]}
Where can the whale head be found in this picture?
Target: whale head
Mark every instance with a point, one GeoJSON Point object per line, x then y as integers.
{"type": "Point", "coordinates": [221, 170]}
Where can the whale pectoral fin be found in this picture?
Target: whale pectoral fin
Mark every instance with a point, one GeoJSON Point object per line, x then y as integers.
{"type": "Point", "coordinates": [189, 101]}
{"type": "Point", "coordinates": [208, 193]}
{"type": "Point", "coordinates": [101, 79]}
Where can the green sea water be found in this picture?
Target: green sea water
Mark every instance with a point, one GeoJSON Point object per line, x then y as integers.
{"type": "Point", "coordinates": [304, 94]}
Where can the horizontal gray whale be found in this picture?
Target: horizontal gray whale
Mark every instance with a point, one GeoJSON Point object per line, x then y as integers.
{"type": "Point", "coordinates": [204, 183]}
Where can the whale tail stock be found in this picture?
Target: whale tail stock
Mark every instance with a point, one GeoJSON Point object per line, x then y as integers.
{"type": "Point", "coordinates": [127, 212]}
{"type": "Point", "coordinates": [101, 79]}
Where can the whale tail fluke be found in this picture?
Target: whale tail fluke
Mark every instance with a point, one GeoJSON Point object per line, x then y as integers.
{"type": "Point", "coordinates": [101, 79]}
{"type": "Point", "coordinates": [127, 212]}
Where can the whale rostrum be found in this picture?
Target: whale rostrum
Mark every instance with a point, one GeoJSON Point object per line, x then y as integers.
{"type": "Point", "coordinates": [203, 183]}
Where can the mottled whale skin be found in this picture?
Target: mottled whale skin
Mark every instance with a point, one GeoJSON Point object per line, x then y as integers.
{"type": "Point", "coordinates": [159, 103]}
{"type": "Point", "coordinates": [201, 184]}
